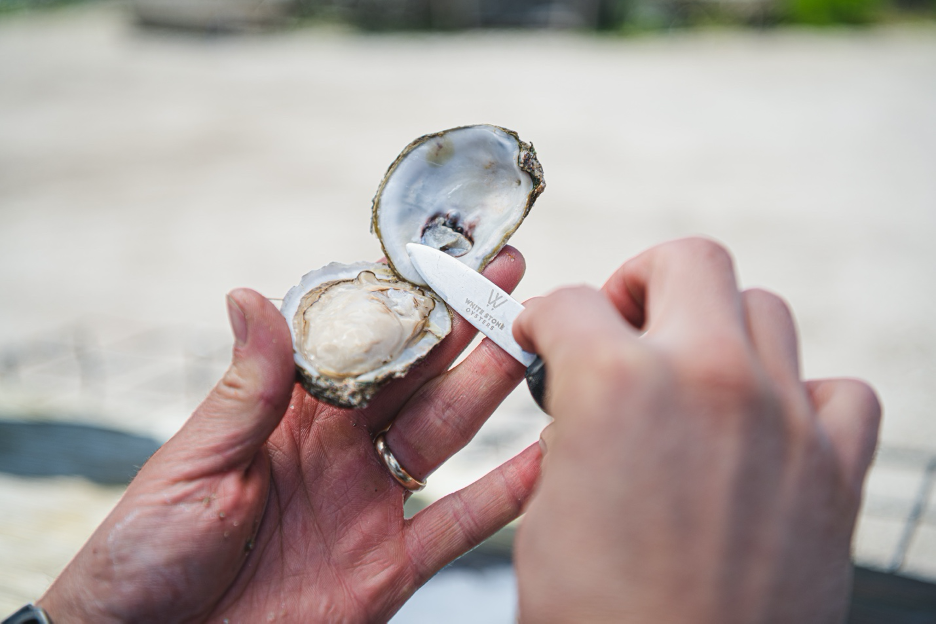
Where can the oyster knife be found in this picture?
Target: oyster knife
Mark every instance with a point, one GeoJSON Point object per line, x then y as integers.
{"type": "Point", "coordinates": [482, 303]}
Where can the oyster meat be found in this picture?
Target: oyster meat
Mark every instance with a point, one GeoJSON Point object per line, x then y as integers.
{"type": "Point", "coordinates": [356, 326]}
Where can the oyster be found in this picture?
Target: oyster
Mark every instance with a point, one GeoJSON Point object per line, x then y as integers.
{"type": "Point", "coordinates": [355, 327]}
{"type": "Point", "coordinates": [464, 191]}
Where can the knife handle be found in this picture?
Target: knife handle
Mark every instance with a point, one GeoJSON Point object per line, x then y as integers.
{"type": "Point", "coordinates": [536, 381]}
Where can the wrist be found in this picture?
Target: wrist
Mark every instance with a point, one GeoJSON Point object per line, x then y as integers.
{"type": "Point", "coordinates": [61, 604]}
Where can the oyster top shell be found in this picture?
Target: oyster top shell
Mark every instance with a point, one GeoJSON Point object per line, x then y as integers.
{"type": "Point", "coordinates": [464, 191]}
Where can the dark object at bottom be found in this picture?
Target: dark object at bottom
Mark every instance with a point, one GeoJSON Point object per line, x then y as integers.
{"type": "Point", "coordinates": [52, 449]}
{"type": "Point", "coordinates": [884, 598]}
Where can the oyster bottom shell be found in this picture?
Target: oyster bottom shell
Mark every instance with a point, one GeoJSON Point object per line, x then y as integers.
{"type": "Point", "coordinates": [354, 327]}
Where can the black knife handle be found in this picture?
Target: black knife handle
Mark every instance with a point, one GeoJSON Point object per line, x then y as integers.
{"type": "Point", "coordinates": [536, 381]}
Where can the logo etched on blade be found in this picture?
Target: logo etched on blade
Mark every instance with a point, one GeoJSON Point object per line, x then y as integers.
{"type": "Point", "coordinates": [463, 289]}
{"type": "Point", "coordinates": [476, 312]}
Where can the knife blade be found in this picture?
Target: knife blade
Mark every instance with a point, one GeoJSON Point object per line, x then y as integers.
{"type": "Point", "coordinates": [483, 304]}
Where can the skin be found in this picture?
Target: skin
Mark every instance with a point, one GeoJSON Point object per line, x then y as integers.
{"type": "Point", "coordinates": [690, 475]}
{"type": "Point", "coordinates": [270, 506]}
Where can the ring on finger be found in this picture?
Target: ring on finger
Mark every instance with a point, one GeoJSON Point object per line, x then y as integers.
{"type": "Point", "coordinates": [399, 473]}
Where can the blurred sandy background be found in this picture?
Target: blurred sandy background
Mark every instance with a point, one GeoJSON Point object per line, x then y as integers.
{"type": "Point", "coordinates": [143, 174]}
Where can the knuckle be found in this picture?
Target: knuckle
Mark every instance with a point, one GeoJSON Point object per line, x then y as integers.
{"type": "Point", "coordinates": [500, 362]}
{"type": "Point", "coordinates": [864, 396]}
{"type": "Point", "coordinates": [237, 387]}
{"type": "Point", "coordinates": [447, 423]}
{"type": "Point", "coordinates": [867, 409]}
{"type": "Point", "coordinates": [471, 527]}
{"type": "Point", "coordinates": [760, 301]}
{"type": "Point", "coordinates": [854, 396]}
{"type": "Point", "coordinates": [232, 385]}
{"type": "Point", "coordinates": [703, 249]}
{"type": "Point", "coordinates": [767, 298]}
{"type": "Point", "coordinates": [456, 430]}
{"type": "Point", "coordinates": [570, 295]}
{"type": "Point", "coordinates": [729, 372]}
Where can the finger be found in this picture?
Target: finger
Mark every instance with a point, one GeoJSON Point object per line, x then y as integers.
{"type": "Point", "coordinates": [547, 435]}
{"type": "Point", "coordinates": [248, 403]}
{"type": "Point", "coordinates": [570, 322]}
{"type": "Point", "coordinates": [584, 342]}
{"type": "Point", "coordinates": [772, 331]}
{"type": "Point", "coordinates": [446, 413]}
{"type": "Point", "coordinates": [687, 284]}
{"type": "Point", "coordinates": [505, 270]}
{"type": "Point", "coordinates": [453, 525]}
{"type": "Point", "coordinates": [850, 413]}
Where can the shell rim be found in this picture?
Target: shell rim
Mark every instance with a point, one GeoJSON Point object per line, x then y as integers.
{"type": "Point", "coordinates": [526, 160]}
{"type": "Point", "coordinates": [356, 391]}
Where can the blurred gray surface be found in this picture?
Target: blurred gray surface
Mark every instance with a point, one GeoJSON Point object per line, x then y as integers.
{"type": "Point", "coordinates": [143, 175]}
{"type": "Point", "coordinates": [459, 596]}
{"type": "Point", "coordinates": [212, 15]}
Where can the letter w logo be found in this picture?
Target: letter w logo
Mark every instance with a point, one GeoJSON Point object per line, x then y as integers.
{"type": "Point", "coordinates": [495, 299]}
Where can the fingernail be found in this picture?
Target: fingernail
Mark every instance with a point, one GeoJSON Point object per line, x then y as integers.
{"type": "Point", "coordinates": [542, 444]}
{"type": "Point", "coordinates": [238, 321]}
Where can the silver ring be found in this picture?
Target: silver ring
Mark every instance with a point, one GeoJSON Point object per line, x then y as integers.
{"type": "Point", "coordinates": [404, 478]}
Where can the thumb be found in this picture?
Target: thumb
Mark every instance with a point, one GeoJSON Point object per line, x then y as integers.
{"type": "Point", "coordinates": [244, 408]}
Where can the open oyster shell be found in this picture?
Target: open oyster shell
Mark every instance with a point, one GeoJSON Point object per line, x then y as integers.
{"type": "Point", "coordinates": [354, 327]}
{"type": "Point", "coordinates": [464, 191]}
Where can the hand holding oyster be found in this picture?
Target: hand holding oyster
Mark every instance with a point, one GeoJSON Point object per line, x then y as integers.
{"type": "Point", "coordinates": [355, 327]}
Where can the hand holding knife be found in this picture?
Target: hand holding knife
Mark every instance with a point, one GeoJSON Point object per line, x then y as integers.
{"type": "Point", "coordinates": [482, 303]}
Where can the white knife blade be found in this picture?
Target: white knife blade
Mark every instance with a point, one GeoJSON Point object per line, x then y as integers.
{"type": "Point", "coordinates": [480, 302]}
